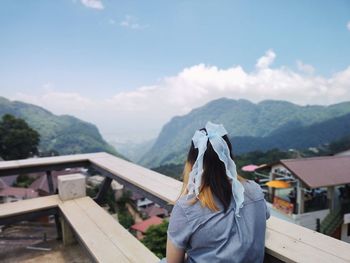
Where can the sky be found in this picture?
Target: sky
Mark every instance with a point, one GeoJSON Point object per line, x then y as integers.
{"type": "Point", "coordinates": [130, 66]}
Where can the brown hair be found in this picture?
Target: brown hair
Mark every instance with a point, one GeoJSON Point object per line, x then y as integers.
{"type": "Point", "coordinates": [214, 178]}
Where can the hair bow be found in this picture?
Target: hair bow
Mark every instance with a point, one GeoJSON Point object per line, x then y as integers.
{"type": "Point", "coordinates": [214, 135]}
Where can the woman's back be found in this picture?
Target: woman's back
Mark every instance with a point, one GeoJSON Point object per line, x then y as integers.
{"type": "Point", "coordinates": [209, 236]}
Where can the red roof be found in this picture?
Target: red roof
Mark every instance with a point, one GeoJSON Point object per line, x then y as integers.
{"type": "Point", "coordinates": [9, 180]}
{"type": "Point", "coordinates": [3, 184]}
{"type": "Point", "coordinates": [319, 171]}
{"type": "Point", "coordinates": [18, 192]}
{"type": "Point", "coordinates": [144, 225]}
{"type": "Point", "coordinates": [42, 183]}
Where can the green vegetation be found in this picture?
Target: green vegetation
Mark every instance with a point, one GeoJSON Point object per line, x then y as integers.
{"type": "Point", "coordinates": [58, 134]}
{"type": "Point", "coordinates": [256, 157]}
{"type": "Point", "coordinates": [124, 217]}
{"type": "Point", "coordinates": [23, 180]}
{"type": "Point", "coordinates": [172, 170]}
{"type": "Point", "coordinates": [260, 157]}
{"type": "Point", "coordinates": [17, 139]}
{"type": "Point", "coordinates": [266, 157]}
{"type": "Point", "coordinates": [263, 126]}
{"type": "Point", "coordinates": [340, 145]}
{"type": "Point", "coordinates": [109, 198]}
{"type": "Point", "coordinates": [92, 191]}
{"type": "Point", "coordinates": [155, 239]}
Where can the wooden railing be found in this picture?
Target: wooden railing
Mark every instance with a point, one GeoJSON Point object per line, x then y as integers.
{"type": "Point", "coordinates": [285, 242]}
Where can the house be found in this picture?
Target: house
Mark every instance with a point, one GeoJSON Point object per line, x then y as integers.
{"type": "Point", "coordinates": [3, 184]}
{"type": "Point", "coordinates": [343, 153]}
{"type": "Point", "coordinates": [12, 194]}
{"type": "Point", "coordinates": [142, 227]}
{"type": "Point", "coordinates": [140, 201]}
{"type": "Point", "coordinates": [41, 184]}
{"type": "Point", "coordinates": [96, 180]}
{"type": "Point", "coordinates": [316, 195]}
{"type": "Point", "coordinates": [9, 180]}
{"type": "Point", "coordinates": [155, 210]}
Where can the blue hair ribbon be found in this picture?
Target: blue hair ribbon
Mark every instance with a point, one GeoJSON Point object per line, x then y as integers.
{"type": "Point", "coordinates": [214, 135]}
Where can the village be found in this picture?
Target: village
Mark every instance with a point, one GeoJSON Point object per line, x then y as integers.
{"type": "Point", "coordinates": [311, 192]}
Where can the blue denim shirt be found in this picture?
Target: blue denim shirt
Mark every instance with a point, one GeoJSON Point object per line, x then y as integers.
{"type": "Point", "coordinates": [209, 236]}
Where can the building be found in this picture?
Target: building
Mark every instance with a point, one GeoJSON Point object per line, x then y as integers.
{"type": "Point", "coordinates": [12, 194]}
{"type": "Point", "coordinates": [143, 226]}
{"type": "Point", "coordinates": [41, 183]}
{"type": "Point", "coordinates": [155, 210]}
{"type": "Point", "coordinates": [102, 239]}
{"type": "Point", "coordinates": [343, 153]}
{"type": "Point", "coordinates": [315, 193]}
{"type": "Point", "coordinates": [96, 181]}
{"type": "Point", "coordinates": [140, 201]}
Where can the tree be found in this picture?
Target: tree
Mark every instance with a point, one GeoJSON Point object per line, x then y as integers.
{"type": "Point", "coordinates": [24, 181]}
{"type": "Point", "coordinates": [125, 219]}
{"type": "Point", "coordinates": [17, 139]}
{"type": "Point", "coordinates": [155, 239]}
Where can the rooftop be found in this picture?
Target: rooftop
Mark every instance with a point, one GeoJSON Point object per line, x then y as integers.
{"type": "Point", "coordinates": [144, 225]}
{"type": "Point", "coordinates": [318, 171]}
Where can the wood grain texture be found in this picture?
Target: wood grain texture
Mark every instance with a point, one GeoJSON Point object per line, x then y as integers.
{"type": "Point", "coordinates": [29, 205]}
{"type": "Point", "coordinates": [95, 241]}
{"type": "Point", "coordinates": [284, 240]}
{"type": "Point", "coordinates": [131, 248]}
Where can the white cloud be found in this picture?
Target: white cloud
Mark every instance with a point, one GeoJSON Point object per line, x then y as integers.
{"type": "Point", "coordinates": [132, 23]}
{"type": "Point", "coordinates": [306, 68]}
{"type": "Point", "coordinates": [348, 25]}
{"type": "Point", "coordinates": [95, 4]}
{"type": "Point", "coordinates": [58, 102]}
{"type": "Point", "coordinates": [140, 113]}
{"type": "Point", "coordinates": [266, 60]}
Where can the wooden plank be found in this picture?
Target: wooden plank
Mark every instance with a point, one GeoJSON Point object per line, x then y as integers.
{"type": "Point", "coordinates": [166, 188]}
{"type": "Point", "coordinates": [284, 240]}
{"type": "Point", "coordinates": [29, 205]}
{"type": "Point", "coordinates": [54, 160]}
{"type": "Point", "coordinates": [123, 164]}
{"type": "Point", "coordinates": [9, 164]}
{"type": "Point", "coordinates": [132, 248]}
{"type": "Point", "coordinates": [289, 249]}
{"type": "Point", "coordinates": [96, 242]}
{"type": "Point", "coordinates": [311, 239]}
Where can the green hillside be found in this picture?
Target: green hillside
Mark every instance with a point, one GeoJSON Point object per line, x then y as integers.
{"type": "Point", "coordinates": [296, 136]}
{"type": "Point", "coordinates": [64, 134]}
{"type": "Point", "coordinates": [241, 118]}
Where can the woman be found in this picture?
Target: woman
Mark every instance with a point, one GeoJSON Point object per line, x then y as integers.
{"type": "Point", "coordinates": [219, 217]}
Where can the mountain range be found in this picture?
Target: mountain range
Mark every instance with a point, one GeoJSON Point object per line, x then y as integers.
{"type": "Point", "coordinates": [252, 126]}
{"type": "Point", "coordinates": [63, 134]}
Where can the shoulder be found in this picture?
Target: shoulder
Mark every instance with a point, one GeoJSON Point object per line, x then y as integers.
{"type": "Point", "coordinates": [189, 209]}
{"type": "Point", "coordinates": [252, 191]}
{"type": "Point", "coordinates": [185, 204]}
{"type": "Point", "coordinates": [181, 205]}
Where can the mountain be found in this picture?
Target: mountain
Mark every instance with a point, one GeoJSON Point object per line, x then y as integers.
{"type": "Point", "coordinates": [131, 150]}
{"type": "Point", "coordinates": [64, 134]}
{"type": "Point", "coordinates": [296, 137]}
{"type": "Point", "coordinates": [242, 119]}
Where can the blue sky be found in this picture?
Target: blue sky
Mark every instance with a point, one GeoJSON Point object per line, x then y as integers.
{"type": "Point", "coordinates": [91, 52]}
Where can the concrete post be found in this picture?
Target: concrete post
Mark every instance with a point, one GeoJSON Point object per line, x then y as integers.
{"type": "Point", "coordinates": [271, 190]}
{"type": "Point", "coordinates": [331, 197]}
{"type": "Point", "coordinates": [70, 187]}
{"type": "Point", "coordinates": [300, 197]}
{"type": "Point", "coordinates": [67, 233]}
